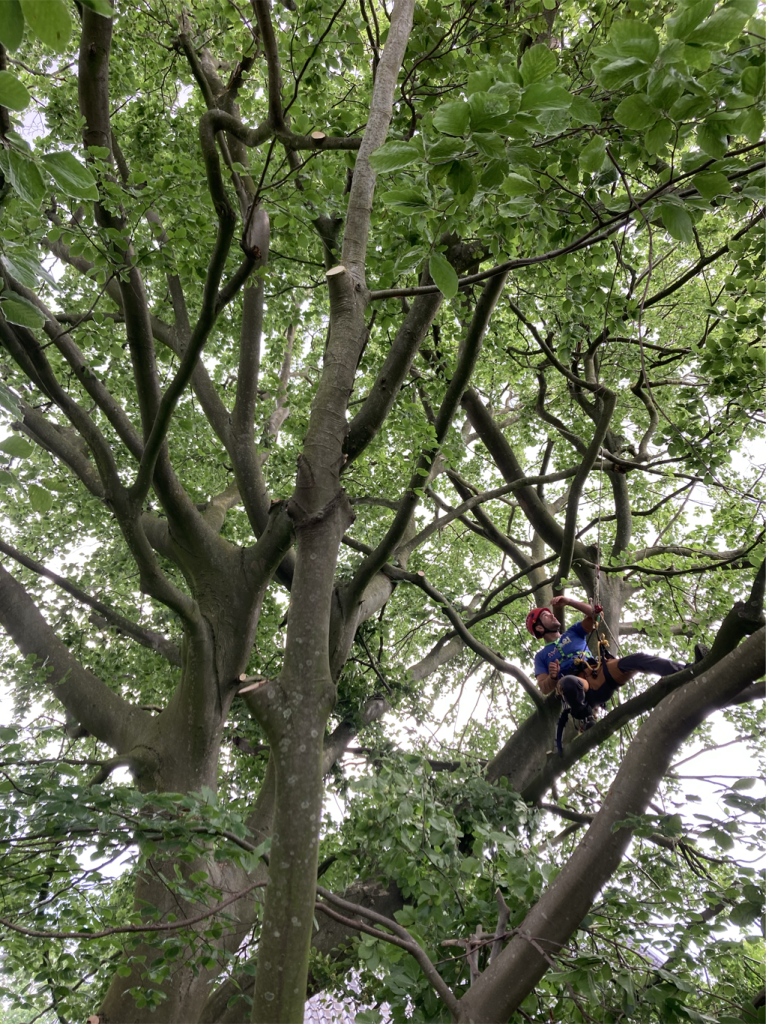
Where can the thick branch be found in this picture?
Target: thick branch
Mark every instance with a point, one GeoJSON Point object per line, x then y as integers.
{"type": "Point", "coordinates": [532, 506]}
{"type": "Point", "coordinates": [101, 711]}
{"type": "Point", "coordinates": [556, 916]}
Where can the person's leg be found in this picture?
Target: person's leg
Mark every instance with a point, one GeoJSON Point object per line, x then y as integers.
{"type": "Point", "coordinates": [573, 692]}
{"type": "Point", "coordinates": [649, 663]}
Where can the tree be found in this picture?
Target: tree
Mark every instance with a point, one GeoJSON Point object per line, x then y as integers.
{"type": "Point", "coordinates": [367, 326]}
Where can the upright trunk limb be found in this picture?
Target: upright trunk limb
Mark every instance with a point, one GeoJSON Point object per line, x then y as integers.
{"type": "Point", "coordinates": [294, 713]}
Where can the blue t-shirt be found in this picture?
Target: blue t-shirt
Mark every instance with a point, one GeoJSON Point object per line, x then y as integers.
{"type": "Point", "coordinates": [572, 642]}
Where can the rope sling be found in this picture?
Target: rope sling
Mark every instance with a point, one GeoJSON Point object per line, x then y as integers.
{"type": "Point", "coordinates": [580, 662]}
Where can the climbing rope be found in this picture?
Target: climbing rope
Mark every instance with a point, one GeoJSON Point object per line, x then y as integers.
{"type": "Point", "coordinates": [602, 640]}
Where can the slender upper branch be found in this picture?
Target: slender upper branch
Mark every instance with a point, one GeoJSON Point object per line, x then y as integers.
{"type": "Point", "coordinates": [533, 507]}
{"type": "Point", "coordinates": [262, 10]}
{"type": "Point", "coordinates": [243, 414]}
{"type": "Point", "coordinates": [354, 250]}
{"type": "Point", "coordinates": [29, 354]}
{"type": "Point", "coordinates": [479, 499]}
{"type": "Point", "coordinates": [382, 395]}
{"type": "Point", "coordinates": [97, 390]}
{"type": "Point", "coordinates": [609, 400]}
{"type": "Point", "coordinates": [146, 637]}
{"type": "Point", "coordinates": [65, 444]}
{"type": "Point", "coordinates": [496, 660]}
{"type": "Point", "coordinates": [467, 358]}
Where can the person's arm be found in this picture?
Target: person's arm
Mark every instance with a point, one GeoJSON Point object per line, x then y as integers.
{"type": "Point", "coordinates": [588, 610]}
{"type": "Point", "coordinates": [547, 680]}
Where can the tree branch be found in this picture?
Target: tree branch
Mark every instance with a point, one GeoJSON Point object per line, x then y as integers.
{"type": "Point", "coordinates": [101, 711]}
{"type": "Point", "coordinates": [401, 937]}
{"type": "Point", "coordinates": [496, 660]}
{"type": "Point", "coordinates": [135, 929]}
{"type": "Point", "coordinates": [468, 355]}
{"type": "Point", "coordinates": [609, 400]}
{"type": "Point", "coordinates": [146, 637]}
{"type": "Point", "coordinates": [479, 499]}
{"type": "Point", "coordinates": [354, 250]}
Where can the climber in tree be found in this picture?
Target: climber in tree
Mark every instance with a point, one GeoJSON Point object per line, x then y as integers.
{"type": "Point", "coordinates": [558, 656]}
{"type": "Point", "coordinates": [566, 664]}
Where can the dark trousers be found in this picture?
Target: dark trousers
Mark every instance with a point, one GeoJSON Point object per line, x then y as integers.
{"type": "Point", "coordinates": [649, 663]}
{"type": "Point", "coordinates": [582, 701]}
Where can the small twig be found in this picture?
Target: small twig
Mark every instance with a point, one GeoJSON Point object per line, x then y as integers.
{"type": "Point", "coordinates": [401, 937]}
{"type": "Point", "coordinates": [131, 929]}
{"type": "Point", "coordinates": [503, 913]}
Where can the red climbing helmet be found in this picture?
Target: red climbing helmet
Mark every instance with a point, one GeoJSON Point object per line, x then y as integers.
{"type": "Point", "coordinates": [532, 618]}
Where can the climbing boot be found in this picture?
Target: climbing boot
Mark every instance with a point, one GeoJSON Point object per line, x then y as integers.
{"type": "Point", "coordinates": [583, 724]}
{"type": "Point", "coordinates": [700, 651]}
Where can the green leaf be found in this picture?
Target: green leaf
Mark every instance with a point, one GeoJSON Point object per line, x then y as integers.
{"type": "Point", "coordinates": [24, 175]}
{"type": "Point", "coordinates": [697, 57]}
{"type": "Point", "coordinates": [584, 111]}
{"type": "Point", "coordinates": [657, 136]}
{"type": "Point", "coordinates": [26, 269]}
{"type": "Point", "coordinates": [446, 149]}
{"type": "Point", "coordinates": [636, 112]}
{"type": "Point", "coordinates": [71, 177]}
{"type": "Point", "coordinates": [592, 156]}
{"type": "Point", "coordinates": [750, 124]}
{"type": "Point", "coordinates": [747, 783]}
{"type": "Point", "coordinates": [49, 20]}
{"type": "Point", "coordinates": [444, 275]}
{"type": "Point", "coordinates": [677, 221]}
{"type": "Point", "coordinates": [494, 174]}
{"type": "Point", "coordinates": [19, 273]}
{"type": "Point", "coordinates": [24, 314]}
{"type": "Point", "coordinates": [489, 145]}
{"type": "Point", "coordinates": [517, 185]}
{"type": "Point", "coordinates": [393, 156]}
{"type": "Point", "coordinates": [102, 7]}
{"type": "Point", "coordinates": [405, 199]}
{"type": "Point", "coordinates": [723, 26]}
{"type": "Point", "coordinates": [753, 78]}
{"type": "Point", "coordinates": [744, 913]}
{"type": "Point", "coordinates": [460, 176]}
{"type": "Point", "coordinates": [9, 401]}
{"type": "Point", "coordinates": [690, 14]}
{"type": "Point", "coordinates": [616, 74]}
{"type": "Point", "coordinates": [40, 499]}
{"type": "Point", "coordinates": [543, 96]}
{"type": "Point", "coordinates": [538, 62]}
{"type": "Point", "coordinates": [11, 24]}
{"type": "Point", "coordinates": [489, 111]}
{"type": "Point", "coordinates": [710, 184]}
{"type": "Point", "coordinates": [16, 447]}
{"type": "Point", "coordinates": [635, 39]}
{"type": "Point", "coordinates": [712, 138]}
{"type": "Point", "coordinates": [452, 118]}
{"type": "Point", "coordinates": [479, 81]}
{"type": "Point", "coordinates": [13, 93]}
